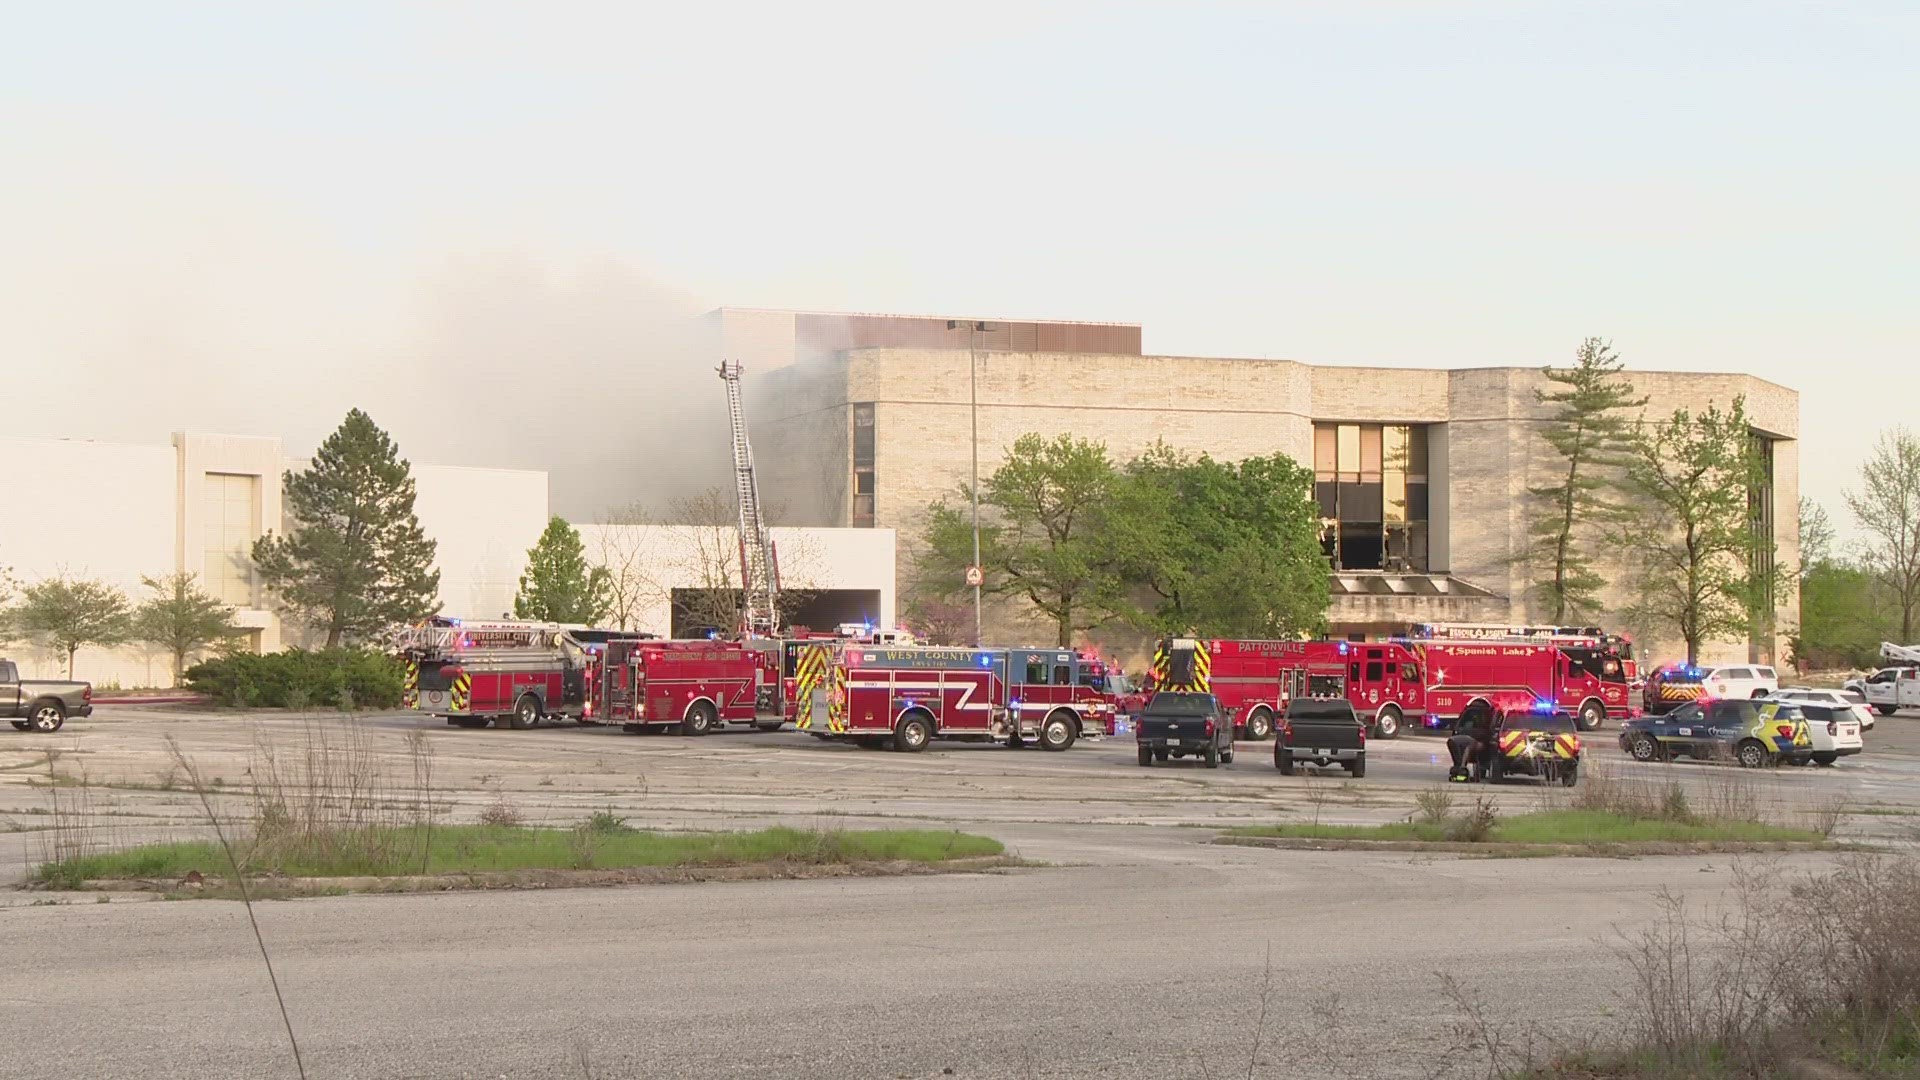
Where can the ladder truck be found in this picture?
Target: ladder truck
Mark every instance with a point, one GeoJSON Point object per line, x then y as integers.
{"type": "Point", "coordinates": [759, 564]}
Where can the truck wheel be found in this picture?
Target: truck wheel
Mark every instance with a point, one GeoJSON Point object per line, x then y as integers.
{"type": "Point", "coordinates": [1570, 774]}
{"type": "Point", "coordinates": [912, 734]}
{"type": "Point", "coordinates": [699, 719]}
{"type": "Point", "coordinates": [1592, 715]}
{"type": "Point", "coordinates": [1386, 722]}
{"type": "Point", "coordinates": [770, 725]}
{"type": "Point", "coordinates": [1260, 725]}
{"type": "Point", "coordinates": [467, 721]}
{"type": "Point", "coordinates": [1886, 710]}
{"type": "Point", "coordinates": [1644, 748]}
{"type": "Point", "coordinates": [1146, 756]}
{"type": "Point", "coordinates": [1283, 760]}
{"type": "Point", "coordinates": [1213, 756]}
{"type": "Point", "coordinates": [526, 712]}
{"type": "Point", "coordinates": [1057, 733]}
{"type": "Point", "coordinates": [1825, 759]}
{"type": "Point", "coordinates": [1751, 754]}
{"type": "Point", "coordinates": [1358, 767]}
{"type": "Point", "coordinates": [47, 717]}
{"type": "Point", "coordinates": [1226, 755]}
{"type": "Point", "coordinates": [1496, 769]}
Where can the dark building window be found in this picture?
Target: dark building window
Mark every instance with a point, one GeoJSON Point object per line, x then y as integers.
{"type": "Point", "coordinates": [1760, 506]}
{"type": "Point", "coordinates": [863, 488]}
{"type": "Point", "coordinates": [1372, 486]}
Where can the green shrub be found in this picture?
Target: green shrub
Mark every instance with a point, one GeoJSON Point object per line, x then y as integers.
{"type": "Point", "coordinates": [297, 678]}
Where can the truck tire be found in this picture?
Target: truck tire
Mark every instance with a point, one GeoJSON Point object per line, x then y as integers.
{"type": "Point", "coordinates": [1212, 756]}
{"type": "Point", "coordinates": [770, 725]}
{"type": "Point", "coordinates": [1283, 760]}
{"type": "Point", "coordinates": [1751, 754]}
{"type": "Point", "coordinates": [1570, 774]}
{"type": "Point", "coordinates": [912, 733]}
{"type": "Point", "coordinates": [1497, 768]}
{"type": "Point", "coordinates": [1260, 725]}
{"type": "Point", "coordinates": [526, 712]}
{"type": "Point", "coordinates": [1886, 710]}
{"type": "Point", "coordinates": [1358, 766]}
{"type": "Point", "coordinates": [1146, 755]}
{"type": "Point", "coordinates": [1644, 747]}
{"type": "Point", "coordinates": [46, 717]}
{"type": "Point", "coordinates": [1386, 722]}
{"type": "Point", "coordinates": [1226, 755]}
{"type": "Point", "coordinates": [1057, 731]}
{"type": "Point", "coordinates": [699, 719]}
{"type": "Point", "coordinates": [1825, 759]}
{"type": "Point", "coordinates": [467, 721]}
{"type": "Point", "coordinates": [1591, 716]}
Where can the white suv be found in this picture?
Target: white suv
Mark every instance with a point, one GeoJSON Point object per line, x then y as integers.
{"type": "Point", "coordinates": [1839, 699]}
{"type": "Point", "coordinates": [1744, 681]}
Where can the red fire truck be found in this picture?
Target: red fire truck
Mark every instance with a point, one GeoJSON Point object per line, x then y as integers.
{"type": "Point", "coordinates": [1589, 684]}
{"type": "Point", "coordinates": [1254, 680]}
{"type": "Point", "coordinates": [1579, 640]}
{"type": "Point", "coordinates": [509, 673]}
{"type": "Point", "coordinates": [695, 686]}
{"type": "Point", "coordinates": [906, 696]}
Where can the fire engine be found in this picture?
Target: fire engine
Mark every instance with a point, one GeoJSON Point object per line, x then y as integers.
{"type": "Point", "coordinates": [693, 686]}
{"type": "Point", "coordinates": [906, 696]}
{"type": "Point", "coordinates": [510, 673]}
{"type": "Point", "coordinates": [1579, 640]}
{"type": "Point", "coordinates": [1586, 683]}
{"type": "Point", "coordinates": [1254, 680]}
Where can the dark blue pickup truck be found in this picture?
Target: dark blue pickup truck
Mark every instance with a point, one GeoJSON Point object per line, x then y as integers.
{"type": "Point", "coordinates": [1180, 724]}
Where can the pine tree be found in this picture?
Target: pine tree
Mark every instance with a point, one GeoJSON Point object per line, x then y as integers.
{"type": "Point", "coordinates": [182, 618]}
{"type": "Point", "coordinates": [559, 586]}
{"type": "Point", "coordinates": [1592, 437]}
{"type": "Point", "coordinates": [354, 559]}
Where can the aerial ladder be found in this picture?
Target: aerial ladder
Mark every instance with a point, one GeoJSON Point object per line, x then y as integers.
{"type": "Point", "coordinates": [1900, 655]}
{"type": "Point", "coordinates": [759, 564]}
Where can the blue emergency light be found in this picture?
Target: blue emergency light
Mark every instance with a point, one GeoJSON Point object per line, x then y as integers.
{"type": "Point", "coordinates": [1543, 707]}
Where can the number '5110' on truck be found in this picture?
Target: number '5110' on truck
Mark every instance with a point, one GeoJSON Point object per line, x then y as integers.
{"type": "Point", "coordinates": [41, 705]}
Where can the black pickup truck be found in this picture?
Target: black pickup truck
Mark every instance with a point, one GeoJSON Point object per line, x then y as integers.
{"type": "Point", "coordinates": [1178, 724]}
{"type": "Point", "coordinates": [1323, 731]}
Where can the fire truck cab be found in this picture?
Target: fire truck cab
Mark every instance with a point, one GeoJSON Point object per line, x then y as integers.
{"type": "Point", "coordinates": [508, 673]}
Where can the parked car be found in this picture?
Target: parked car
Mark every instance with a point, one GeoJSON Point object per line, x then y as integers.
{"type": "Point", "coordinates": [1846, 699]}
{"type": "Point", "coordinates": [1889, 689]}
{"type": "Point", "coordinates": [41, 705]}
{"type": "Point", "coordinates": [1321, 731]}
{"type": "Point", "coordinates": [1740, 681]}
{"type": "Point", "coordinates": [1177, 724]}
{"type": "Point", "coordinates": [1835, 732]}
{"type": "Point", "coordinates": [1754, 733]}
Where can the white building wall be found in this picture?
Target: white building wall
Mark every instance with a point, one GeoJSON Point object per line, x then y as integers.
{"type": "Point", "coordinates": [88, 510]}
{"type": "Point", "coordinates": [485, 521]}
{"type": "Point", "coordinates": [117, 512]}
{"type": "Point", "coordinates": [657, 559]}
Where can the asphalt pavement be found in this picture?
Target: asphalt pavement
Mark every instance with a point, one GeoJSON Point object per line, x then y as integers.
{"type": "Point", "coordinates": [1140, 950]}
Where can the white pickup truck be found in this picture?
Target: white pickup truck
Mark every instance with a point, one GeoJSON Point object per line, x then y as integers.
{"type": "Point", "coordinates": [1889, 689]}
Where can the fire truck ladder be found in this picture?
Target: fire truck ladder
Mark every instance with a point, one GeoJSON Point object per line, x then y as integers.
{"type": "Point", "coordinates": [759, 566]}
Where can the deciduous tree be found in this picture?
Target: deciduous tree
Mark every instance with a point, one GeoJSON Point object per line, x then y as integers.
{"type": "Point", "coordinates": [354, 559]}
{"type": "Point", "coordinates": [72, 614]}
{"type": "Point", "coordinates": [559, 585]}
{"type": "Point", "coordinates": [1039, 533]}
{"type": "Point", "coordinates": [182, 618]}
{"type": "Point", "coordinates": [1219, 549]}
{"type": "Point", "coordinates": [1887, 505]}
{"type": "Point", "coordinates": [1591, 434]}
{"type": "Point", "coordinates": [1689, 527]}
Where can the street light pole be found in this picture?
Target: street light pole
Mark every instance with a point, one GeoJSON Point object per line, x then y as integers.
{"type": "Point", "coordinates": [974, 329]}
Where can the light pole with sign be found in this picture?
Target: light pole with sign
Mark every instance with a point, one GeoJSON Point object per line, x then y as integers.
{"type": "Point", "coordinates": [974, 576]}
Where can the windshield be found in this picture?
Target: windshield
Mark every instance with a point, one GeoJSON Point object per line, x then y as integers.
{"type": "Point", "coordinates": [1119, 684]}
{"type": "Point", "coordinates": [1180, 705]}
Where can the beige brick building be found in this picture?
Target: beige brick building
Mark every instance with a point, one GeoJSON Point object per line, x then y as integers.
{"type": "Point", "coordinates": [1425, 471]}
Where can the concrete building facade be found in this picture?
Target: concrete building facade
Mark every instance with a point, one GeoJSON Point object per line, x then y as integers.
{"type": "Point", "coordinates": [118, 512]}
{"type": "Point", "coordinates": [1423, 472]}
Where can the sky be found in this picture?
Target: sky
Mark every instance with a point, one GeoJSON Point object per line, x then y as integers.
{"type": "Point", "coordinates": [483, 222]}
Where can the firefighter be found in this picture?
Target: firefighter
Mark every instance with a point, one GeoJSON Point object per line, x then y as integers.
{"type": "Point", "coordinates": [1471, 744]}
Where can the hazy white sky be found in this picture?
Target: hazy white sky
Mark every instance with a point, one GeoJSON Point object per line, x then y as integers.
{"type": "Point", "coordinates": [212, 211]}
